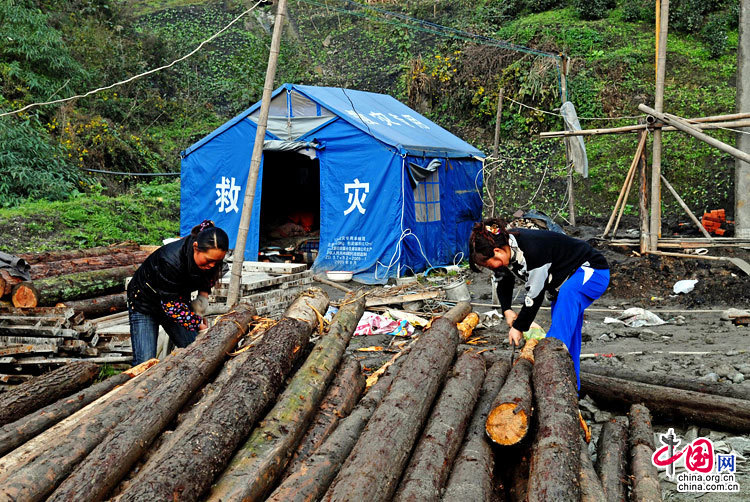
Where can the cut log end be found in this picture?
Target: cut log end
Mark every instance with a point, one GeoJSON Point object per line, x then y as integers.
{"type": "Point", "coordinates": [24, 295]}
{"type": "Point", "coordinates": [505, 426]}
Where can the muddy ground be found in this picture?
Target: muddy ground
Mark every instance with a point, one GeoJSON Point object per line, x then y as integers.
{"type": "Point", "coordinates": [695, 342]}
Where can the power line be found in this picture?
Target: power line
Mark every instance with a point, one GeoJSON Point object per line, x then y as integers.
{"type": "Point", "coordinates": [149, 72]}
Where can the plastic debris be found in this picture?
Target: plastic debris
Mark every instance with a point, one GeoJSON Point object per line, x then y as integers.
{"type": "Point", "coordinates": [636, 317]}
{"type": "Point", "coordinates": [684, 286]}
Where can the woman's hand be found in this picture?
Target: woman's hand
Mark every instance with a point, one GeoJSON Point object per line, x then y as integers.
{"type": "Point", "coordinates": [510, 316]}
{"type": "Point", "coordinates": [515, 337]}
{"type": "Point", "coordinates": [202, 326]}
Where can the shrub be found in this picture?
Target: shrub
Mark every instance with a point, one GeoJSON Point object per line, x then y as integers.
{"type": "Point", "coordinates": [35, 167]}
{"type": "Point", "coordinates": [593, 9]}
{"type": "Point", "coordinates": [714, 34]}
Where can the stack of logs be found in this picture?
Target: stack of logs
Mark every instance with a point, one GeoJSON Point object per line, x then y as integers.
{"type": "Point", "coordinates": [197, 425]}
{"type": "Point", "coordinates": [57, 315]}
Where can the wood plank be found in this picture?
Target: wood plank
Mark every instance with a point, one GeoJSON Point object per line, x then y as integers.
{"type": "Point", "coordinates": [412, 297]}
{"type": "Point", "coordinates": [65, 360]}
{"type": "Point", "coordinates": [38, 331]}
{"type": "Point", "coordinates": [6, 341]}
{"type": "Point", "coordinates": [7, 360]}
{"type": "Point", "coordinates": [31, 320]}
{"type": "Point", "coordinates": [27, 349]}
{"type": "Point", "coordinates": [273, 268]}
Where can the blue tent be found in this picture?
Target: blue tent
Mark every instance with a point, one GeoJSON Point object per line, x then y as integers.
{"type": "Point", "coordinates": [395, 190]}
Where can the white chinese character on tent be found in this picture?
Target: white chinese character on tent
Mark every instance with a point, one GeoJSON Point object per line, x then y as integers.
{"type": "Point", "coordinates": [355, 199]}
{"type": "Point", "coordinates": [227, 193]}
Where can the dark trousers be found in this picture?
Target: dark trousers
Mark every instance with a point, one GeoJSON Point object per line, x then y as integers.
{"type": "Point", "coordinates": [144, 331]}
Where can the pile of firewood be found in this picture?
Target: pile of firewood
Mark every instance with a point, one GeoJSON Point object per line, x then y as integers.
{"type": "Point", "coordinates": [63, 312]}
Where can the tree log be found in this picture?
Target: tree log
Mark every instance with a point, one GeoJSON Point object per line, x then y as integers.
{"type": "Point", "coordinates": [258, 463]}
{"type": "Point", "coordinates": [692, 407]}
{"type": "Point", "coordinates": [591, 485]}
{"type": "Point", "coordinates": [71, 287]}
{"type": "Point", "coordinates": [45, 389]}
{"type": "Point", "coordinates": [556, 452]}
{"type": "Point", "coordinates": [72, 254]}
{"type": "Point", "coordinates": [308, 483]}
{"type": "Point", "coordinates": [15, 434]}
{"type": "Point", "coordinates": [610, 461]}
{"type": "Point", "coordinates": [471, 476]}
{"type": "Point", "coordinates": [47, 269]}
{"type": "Point", "coordinates": [201, 446]}
{"type": "Point", "coordinates": [510, 419]}
{"type": "Point", "coordinates": [7, 282]}
{"type": "Point", "coordinates": [375, 464]}
{"type": "Point", "coordinates": [645, 476]}
{"type": "Point", "coordinates": [433, 457]}
{"type": "Point", "coordinates": [99, 306]}
{"type": "Point", "coordinates": [458, 312]}
{"type": "Point", "coordinates": [665, 380]}
{"type": "Point", "coordinates": [121, 433]}
{"type": "Point", "coordinates": [340, 399]}
{"type": "Point", "coordinates": [96, 416]}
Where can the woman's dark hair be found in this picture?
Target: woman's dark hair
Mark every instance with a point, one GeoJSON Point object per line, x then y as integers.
{"type": "Point", "coordinates": [485, 237]}
{"type": "Point", "coordinates": [209, 236]}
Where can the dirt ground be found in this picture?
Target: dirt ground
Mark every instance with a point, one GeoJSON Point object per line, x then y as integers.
{"type": "Point", "coordinates": [694, 343]}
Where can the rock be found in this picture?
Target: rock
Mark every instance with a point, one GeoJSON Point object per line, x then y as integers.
{"type": "Point", "coordinates": [732, 353]}
{"type": "Point", "coordinates": [602, 416]}
{"type": "Point", "coordinates": [724, 370]}
{"type": "Point", "coordinates": [732, 313]}
{"type": "Point", "coordinates": [709, 377]}
{"type": "Point", "coordinates": [588, 404]}
{"type": "Point", "coordinates": [739, 444]}
{"type": "Point", "coordinates": [709, 341]}
{"type": "Point", "coordinates": [604, 337]}
{"type": "Point", "coordinates": [648, 335]}
{"type": "Point", "coordinates": [743, 368]}
{"type": "Point", "coordinates": [738, 378]}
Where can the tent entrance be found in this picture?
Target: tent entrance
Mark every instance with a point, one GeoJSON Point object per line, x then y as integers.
{"type": "Point", "coordinates": [290, 208]}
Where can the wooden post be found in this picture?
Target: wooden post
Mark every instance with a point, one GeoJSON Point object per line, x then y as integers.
{"type": "Point", "coordinates": [638, 151]}
{"type": "Point", "coordinates": [662, 23]}
{"type": "Point", "coordinates": [252, 178]}
{"type": "Point", "coordinates": [563, 99]}
{"type": "Point", "coordinates": [643, 204]}
{"type": "Point", "coordinates": [500, 95]}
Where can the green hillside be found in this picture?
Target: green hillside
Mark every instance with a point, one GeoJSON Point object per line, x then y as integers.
{"type": "Point", "coordinates": [447, 59]}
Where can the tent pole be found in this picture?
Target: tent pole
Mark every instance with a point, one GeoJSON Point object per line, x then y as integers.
{"type": "Point", "coordinates": [252, 178]}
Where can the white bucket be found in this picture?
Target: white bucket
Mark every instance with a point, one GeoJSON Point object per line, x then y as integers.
{"type": "Point", "coordinates": [457, 292]}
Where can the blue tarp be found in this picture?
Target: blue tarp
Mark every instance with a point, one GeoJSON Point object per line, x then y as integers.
{"type": "Point", "coordinates": [370, 221]}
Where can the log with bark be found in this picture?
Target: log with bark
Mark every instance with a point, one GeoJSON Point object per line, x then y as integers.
{"type": "Point", "coordinates": [644, 475]}
{"type": "Point", "coordinates": [433, 457]}
{"type": "Point", "coordinates": [99, 306]}
{"type": "Point", "coordinates": [309, 482]}
{"type": "Point", "coordinates": [201, 446]}
{"type": "Point", "coordinates": [667, 402]}
{"type": "Point", "coordinates": [71, 287]}
{"type": "Point", "coordinates": [47, 269]}
{"type": "Point", "coordinates": [111, 441]}
{"type": "Point", "coordinates": [471, 475]}
{"type": "Point", "coordinates": [556, 452]}
{"type": "Point", "coordinates": [510, 418]}
{"type": "Point", "coordinates": [665, 380]}
{"type": "Point", "coordinates": [374, 466]}
{"type": "Point", "coordinates": [257, 464]}
{"type": "Point", "coordinates": [45, 389]}
{"type": "Point", "coordinates": [340, 399]}
{"type": "Point", "coordinates": [7, 281]}
{"type": "Point", "coordinates": [591, 485]}
{"type": "Point", "coordinates": [16, 433]}
{"type": "Point", "coordinates": [98, 417]}
{"type": "Point", "coordinates": [73, 254]}
{"type": "Point", "coordinates": [610, 459]}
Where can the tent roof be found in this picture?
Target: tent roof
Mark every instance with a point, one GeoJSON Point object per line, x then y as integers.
{"type": "Point", "coordinates": [298, 110]}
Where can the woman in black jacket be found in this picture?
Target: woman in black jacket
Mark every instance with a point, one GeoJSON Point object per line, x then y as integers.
{"type": "Point", "coordinates": [159, 292]}
{"type": "Point", "coordinates": [569, 269]}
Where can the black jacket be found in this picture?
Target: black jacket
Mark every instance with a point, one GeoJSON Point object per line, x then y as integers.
{"type": "Point", "coordinates": [543, 260]}
{"type": "Point", "coordinates": [169, 273]}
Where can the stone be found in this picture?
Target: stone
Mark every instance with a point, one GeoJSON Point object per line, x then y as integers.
{"type": "Point", "coordinates": [602, 416]}
{"type": "Point", "coordinates": [709, 377]}
{"type": "Point", "coordinates": [738, 378]}
{"type": "Point", "coordinates": [743, 368]}
{"type": "Point", "coordinates": [724, 370]}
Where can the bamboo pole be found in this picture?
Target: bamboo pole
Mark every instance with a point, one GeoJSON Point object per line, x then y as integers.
{"type": "Point", "coordinates": [500, 95]}
{"type": "Point", "coordinates": [252, 178]}
{"type": "Point", "coordinates": [642, 202]}
{"type": "Point", "coordinates": [662, 23]}
{"type": "Point", "coordinates": [625, 199]}
{"type": "Point", "coordinates": [683, 126]}
{"type": "Point", "coordinates": [564, 98]}
{"type": "Point", "coordinates": [686, 208]}
{"type": "Point", "coordinates": [698, 123]}
{"type": "Point", "coordinates": [639, 149]}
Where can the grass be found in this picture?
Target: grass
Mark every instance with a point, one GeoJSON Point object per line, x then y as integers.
{"type": "Point", "coordinates": [146, 214]}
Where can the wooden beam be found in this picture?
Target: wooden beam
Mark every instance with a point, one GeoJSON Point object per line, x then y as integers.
{"type": "Point", "coordinates": [686, 208]}
{"type": "Point", "coordinates": [640, 127]}
{"type": "Point", "coordinates": [388, 300]}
